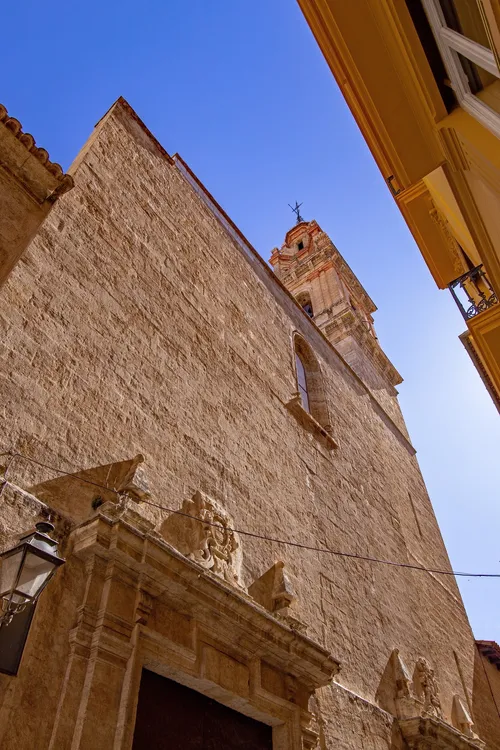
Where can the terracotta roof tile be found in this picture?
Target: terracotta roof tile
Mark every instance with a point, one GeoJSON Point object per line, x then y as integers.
{"type": "Point", "coordinates": [491, 650]}
{"type": "Point", "coordinates": [40, 153]}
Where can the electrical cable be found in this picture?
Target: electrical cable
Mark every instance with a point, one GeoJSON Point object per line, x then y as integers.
{"type": "Point", "coordinates": [253, 535]}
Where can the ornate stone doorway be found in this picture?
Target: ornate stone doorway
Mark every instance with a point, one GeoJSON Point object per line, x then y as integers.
{"type": "Point", "coordinates": [171, 716]}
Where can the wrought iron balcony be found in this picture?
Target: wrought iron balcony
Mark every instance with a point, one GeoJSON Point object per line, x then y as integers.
{"type": "Point", "coordinates": [478, 290]}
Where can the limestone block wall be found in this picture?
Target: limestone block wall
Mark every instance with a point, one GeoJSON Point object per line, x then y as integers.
{"type": "Point", "coordinates": [135, 324]}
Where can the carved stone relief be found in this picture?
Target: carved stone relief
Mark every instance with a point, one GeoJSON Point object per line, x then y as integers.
{"type": "Point", "coordinates": [203, 532]}
{"type": "Point", "coordinates": [233, 648]}
{"type": "Point", "coordinates": [415, 701]}
{"type": "Point", "coordinates": [453, 246]}
{"type": "Point", "coordinates": [406, 697]}
{"type": "Point", "coordinates": [426, 688]}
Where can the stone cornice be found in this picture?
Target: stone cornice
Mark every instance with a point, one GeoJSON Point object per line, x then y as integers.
{"type": "Point", "coordinates": [125, 537]}
{"type": "Point", "coordinates": [427, 733]}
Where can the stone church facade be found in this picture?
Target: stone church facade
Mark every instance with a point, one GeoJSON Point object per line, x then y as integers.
{"type": "Point", "coordinates": [200, 429]}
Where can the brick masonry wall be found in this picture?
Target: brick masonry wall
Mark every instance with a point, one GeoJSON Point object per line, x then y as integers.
{"type": "Point", "coordinates": [134, 323]}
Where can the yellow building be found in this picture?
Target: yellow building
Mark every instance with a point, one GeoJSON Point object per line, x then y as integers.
{"type": "Point", "coordinates": [421, 78]}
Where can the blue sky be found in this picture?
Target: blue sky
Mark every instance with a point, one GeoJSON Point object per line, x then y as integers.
{"type": "Point", "coordinates": [241, 91]}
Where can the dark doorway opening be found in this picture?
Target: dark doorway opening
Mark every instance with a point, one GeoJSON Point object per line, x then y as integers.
{"type": "Point", "coordinates": [171, 716]}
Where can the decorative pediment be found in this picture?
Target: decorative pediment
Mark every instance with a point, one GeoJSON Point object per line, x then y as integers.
{"type": "Point", "coordinates": [426, 688]}
{"type": "Point", "coordinates": [79, 494]}
{"type": "Point", "coordinates": [406, 696]}
{"type": "Point", "coordinates": [203, 532]}
{"type": "Point", "coordinates": [416, 703]}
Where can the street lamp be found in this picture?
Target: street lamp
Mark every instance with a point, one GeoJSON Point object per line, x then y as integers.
{"type": "Point", "coordinates": [25, 570]}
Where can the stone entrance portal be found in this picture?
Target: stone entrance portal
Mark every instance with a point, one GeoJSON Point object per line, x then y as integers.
{"type": "Point", "coordinates": [171, 716]}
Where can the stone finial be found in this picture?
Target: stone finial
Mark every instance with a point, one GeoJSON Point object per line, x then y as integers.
{"type": "Point", "coordinates": [274, 590]}
{"type": "Point", "coordinates": [426, 688]}
{"type": "Point", "coordinates": [406, 705]}
{"type": "Point", "coordinates": [283, 593]}
{"type": "Point", "coordinates": [402, 676]}
{"type": "Point", "coordinates": [395, 693]}
{"type": "Point", "coordinates": [407, 697]}
{"type": "Point", "coordinates": [136, 485]}
{"type": "Point", "coordinates": [461, 718]}
{"type": "Point", "coordinates": [203, 532]}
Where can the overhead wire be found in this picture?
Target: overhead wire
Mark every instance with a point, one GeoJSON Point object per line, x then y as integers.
{"type": "Point", "coordinates": [244, 532]}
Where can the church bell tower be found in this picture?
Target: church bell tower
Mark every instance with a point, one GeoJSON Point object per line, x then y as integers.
{"type": "Point", "coordinates": [313, 270]}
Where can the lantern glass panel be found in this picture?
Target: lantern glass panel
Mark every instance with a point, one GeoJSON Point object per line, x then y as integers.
{"type": "Point", "coordinates": [34, 574]}
{"type": "Point", "coordinates": [9, 568]}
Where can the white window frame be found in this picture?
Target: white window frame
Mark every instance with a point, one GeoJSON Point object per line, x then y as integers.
{"type": "Point", "coordinates": [451, 43]}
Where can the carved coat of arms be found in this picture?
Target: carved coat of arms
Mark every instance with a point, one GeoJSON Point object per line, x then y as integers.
{"type": "Point", "coordinates": [203, 531]}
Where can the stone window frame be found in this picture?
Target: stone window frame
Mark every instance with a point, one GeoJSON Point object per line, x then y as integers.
{"type": "Point", "coordinates": [304, 300]}
{"type": "Point", "coordinates": [316, 419]}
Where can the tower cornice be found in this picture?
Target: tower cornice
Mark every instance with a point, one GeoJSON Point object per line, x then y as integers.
{"type": "Point", "coordinates": [315, 272]}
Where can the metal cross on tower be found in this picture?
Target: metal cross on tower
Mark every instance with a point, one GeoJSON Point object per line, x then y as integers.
{"type": "Point", "coordinates": [296, 210]}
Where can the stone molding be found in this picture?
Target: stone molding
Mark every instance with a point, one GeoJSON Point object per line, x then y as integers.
{"type": "Point", "coordinates": [427, 733]}
{"type": "Point", "coordinates": [148, 606]}
{"type": "Point", "coordinates": [294, 406]}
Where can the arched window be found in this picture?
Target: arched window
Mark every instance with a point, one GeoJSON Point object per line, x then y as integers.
{"type": "Point", "coordinates": [304, 300]}
{"type": "Point", "coordinates": [310, 383]}
{"type": "Point", "coordinates": [302, 381]}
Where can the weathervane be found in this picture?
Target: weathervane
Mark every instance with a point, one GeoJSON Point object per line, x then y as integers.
{"type": "Point", "coordinates": [297, 211]}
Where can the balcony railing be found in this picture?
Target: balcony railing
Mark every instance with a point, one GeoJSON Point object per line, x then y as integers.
{"type": "Point", "coordinates": [478, 291]}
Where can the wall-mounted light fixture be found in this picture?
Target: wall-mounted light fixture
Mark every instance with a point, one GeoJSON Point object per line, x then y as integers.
{"type": "Point", "coordinates": [25, 570]}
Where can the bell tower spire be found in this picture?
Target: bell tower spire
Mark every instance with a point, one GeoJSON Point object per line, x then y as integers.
{"type": "Point", "coordinates": [314, 271]}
